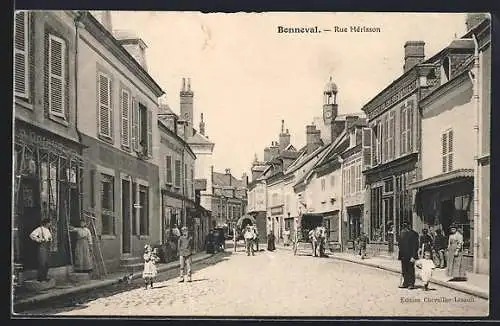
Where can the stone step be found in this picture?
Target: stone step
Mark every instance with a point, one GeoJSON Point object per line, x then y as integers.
{"type": "Point", "coordinates": [36, 286]}
{"type": "Point", "coordinates": [79, 277]}
{"type": "Point", "coordinates": [132, 268]}
{"type": "Point", "coordinates": [130, 260]}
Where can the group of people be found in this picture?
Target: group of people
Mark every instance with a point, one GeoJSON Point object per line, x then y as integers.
{"type": "Point", "coordinates": [420, 251]}
{"type": "Point", "coordinates": [251, 237]}
{"type": "Point", "coordinates": [185, 250]}
{"type": "Point", "coordinates": [82, 263]}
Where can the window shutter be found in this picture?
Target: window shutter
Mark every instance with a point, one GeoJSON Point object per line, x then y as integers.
{"type": "Point", "coordinates": [450, 150]}
{"type": "Point", "coordinates": [374, 145]}
{"type": "Point", "coordinates": [444, 151]}
{"type": "Point", "coordinates": [366, 147]}
{"type": "Point", "coordinates": [57, 51]}
{"type": "Point", "coordinates": [135, 124]}
{"type": "Point", "coordinates": [177, 173]}
{"type": "Point", "coordinates": [409, 134]}
{"type": "Point", "coordinates": [104, 98]}
{"type": "Point", "coordinates": [21, 54]}
{"type": "Point", "coordinates": [125, 117]}
{"type": "Point", "coordinates": [402, 139]}
{"type": "Point", "coordinates": [169, 169]}
{"type": "Point", "coordinates": [385, 139]}
{"type": "Point", "coordinates": [150, 133]}
{"type": "Point", "coordinates": [392, 133]}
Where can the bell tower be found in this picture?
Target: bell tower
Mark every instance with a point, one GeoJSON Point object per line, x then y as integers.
{"type": "Point", "coordinates": [330, 106]}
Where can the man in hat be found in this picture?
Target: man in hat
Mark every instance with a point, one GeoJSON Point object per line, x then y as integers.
{"type": "Point", "coordinates": [408, 254]}
{"type": "Point", "coordinates": [185, 248]}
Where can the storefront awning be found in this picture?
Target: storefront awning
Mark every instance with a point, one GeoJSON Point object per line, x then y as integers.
{"type": "Point", "coordinates": [442, 179]}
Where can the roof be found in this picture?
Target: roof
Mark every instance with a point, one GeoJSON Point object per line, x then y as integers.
{"type": "Point", "coordinates": [164, 108]}
{"type": "Point", "coordinates": [198, 138]}
{"type": "Point", "coordinates": [221, 179]}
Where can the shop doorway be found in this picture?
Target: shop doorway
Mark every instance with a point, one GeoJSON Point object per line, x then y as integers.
{"type": "Point", "coordinates": [354, 216]}
{"type": "Point", "coordinates": [126, 232]}
{"type": "Point", "coordinates": [29, 219]}
{"type": "Point", "coordinates": [447, 213]}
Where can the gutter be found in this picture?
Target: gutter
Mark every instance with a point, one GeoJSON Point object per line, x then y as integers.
{"type": "Point", "coordinates": [475, 86]}
{"type": "Point", "coordinates": [78, 16]}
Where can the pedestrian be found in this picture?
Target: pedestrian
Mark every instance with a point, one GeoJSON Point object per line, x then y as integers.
{"type": "Point", "coordinates": [408, 254]}
{"type": "Point", "coordinates": [270, 241]}
{"type": "Point", "coordinates": [83, 255]}
{"type": "Point", "coordinates": [210, 245]}
{"type": "Point", "coordinates": [390, 237]}
{"type": "Point", "coordinates": [185, 246]}
{"type": "Point", "coordinates": [427, 267]}
{"type": "Point", "coordinates": [286, 241]}
{"type": "Point", "coordinates": [249, 236]}
{"type": "Point", "coordinates": [425, 242]}
{"type": "Point", "coordinates": [150, 260]}
{"type": "Point", "coordinates": [456, 268]}
{"type": "Point", "coordinates": [440, 248]}
{"type": "Point", "coordinates": [255, 238]}
{"type": "Point", "coordinates": [362, 243]}
{"type": "Point", "coordinates": [42, 236]}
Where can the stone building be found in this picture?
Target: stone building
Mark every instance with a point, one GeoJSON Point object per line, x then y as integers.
{"type": "Point", "coordinates": [117, 114]}
{"type": "Point", "coordinates": [47, 160]}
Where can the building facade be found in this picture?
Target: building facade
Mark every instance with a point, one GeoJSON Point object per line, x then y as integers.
{"type": "Point", "coordinates": [229, 199]}
{"type": "Point", "coordinates": [117, 112]}
{"type": "Point", "coordinates": [47, 161]}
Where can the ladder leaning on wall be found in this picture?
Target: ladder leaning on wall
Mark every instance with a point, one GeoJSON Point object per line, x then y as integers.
{"type": "Point", "coordinates": [100, 266]}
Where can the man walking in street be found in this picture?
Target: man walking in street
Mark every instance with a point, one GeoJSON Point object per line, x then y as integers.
{"type": "Point", "coordinates": [185, 246]}
{"type": "Point", "coordinates": [408, 254]}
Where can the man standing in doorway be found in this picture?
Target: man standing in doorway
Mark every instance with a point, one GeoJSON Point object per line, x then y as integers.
{"type": "Point", "coordinates": [43, 237]}
{"type": "Point", "coordinates": [408, 254]}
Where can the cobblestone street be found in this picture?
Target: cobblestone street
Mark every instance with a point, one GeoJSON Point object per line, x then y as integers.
{"type": "Point", "coordinates": [280, 284]}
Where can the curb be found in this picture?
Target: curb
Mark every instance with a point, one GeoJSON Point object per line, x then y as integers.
{"type": "Point", "coordinates": [478, 293]}
{"type": "Point", "coordinates": [97, 285]}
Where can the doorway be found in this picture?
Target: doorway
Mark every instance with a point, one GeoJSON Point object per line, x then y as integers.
{"type": "Point", "coordinates": [126, 234]}
{"type": "Point", "coordinates": [354, 216]}
{"type": "Point", "coordinates": [29, 219]}
{"type": "Point", "coordinates": [446, 215]}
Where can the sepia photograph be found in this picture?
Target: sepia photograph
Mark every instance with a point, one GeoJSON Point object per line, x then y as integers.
{"type": "Point", "coordinates": [274, 164]}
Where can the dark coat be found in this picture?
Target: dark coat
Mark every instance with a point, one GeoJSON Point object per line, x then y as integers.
{"type": "Point", "coordinates": [408, 245]}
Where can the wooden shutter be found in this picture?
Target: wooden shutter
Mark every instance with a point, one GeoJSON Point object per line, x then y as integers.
{"type": "Point", "coordinates": [104, 99]}
{"type": "Point", "coordinates": [450, 150]}
{"type": "Point", "coordinates": [177, 173]}
{"type": "Point", "coordinates": [373, 142]}
{"type": "Point", "coordinates": [444, 151]}
{"type": "Point", "coordinates": [21, 54]}
{"type": "Point", "coordinates": [392, 132]}
{"type": "Point", "coordinates": [150, 133]}
{"type": "Point", "coordinates": [135, 124]}
{"type": "Point", "coordinates": [402, 134]}
{"type": "Point", "coordinates": [385, 140]}
{"type": "Point", "coordinates": [409, 132]}
{"type": "Point", "coordinates": [366, 141]}
{"type": "Point", "coordinates": [169, 169]}
{"type": "Point", "coordinates": [125, 117]}
{"type": "Point", "coordinates": [57, 87]}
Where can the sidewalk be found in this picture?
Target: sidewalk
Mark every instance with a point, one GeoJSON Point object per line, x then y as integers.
{"type": "Point", "coordinates": [109, 279]}
{"type": "Point", "coordinates": [476, 284]}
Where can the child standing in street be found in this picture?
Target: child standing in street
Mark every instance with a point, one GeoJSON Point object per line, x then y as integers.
{"type": "Point", "coordinates": [185, 246]}
{"type": "Point", "coordinates": [427, 266]}
{"type": "Point", "coordinates": [150, 260]}
{"type": "Point", "coordinates": [362, 242]}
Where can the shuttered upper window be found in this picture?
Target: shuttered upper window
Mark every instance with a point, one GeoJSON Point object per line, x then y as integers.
{"type": "Point", "coordinates": [104, 105]}
{"type": "Point", "coordinates": [21, 44]}
{"type": "Point", "coordinates": [447, 151]}
{"type": "Point", "coordinates": [168, 167]}
{"type": "Point", "coordinates": [57, 78]}
{"type": "Point", "coordinates": [178, 173]}
{"type": "Point", "coordinates": [125, 104]}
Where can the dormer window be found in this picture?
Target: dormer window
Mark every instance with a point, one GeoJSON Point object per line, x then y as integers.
{"type": "Point", "coordinates": [445, 70]}
{"type": "Point", "coordinates": [352, 138]}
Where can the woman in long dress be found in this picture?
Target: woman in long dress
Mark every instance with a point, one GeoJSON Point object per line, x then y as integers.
{"type": "Point", "coordinates": [270, 242]}
{"type": "Point", "coordinates": [456, 268]}
{"type": "Point", "coordinates": [83, 257]}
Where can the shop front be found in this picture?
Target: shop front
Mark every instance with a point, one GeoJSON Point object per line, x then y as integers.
{"type": "Point", "coordinates": [447, 199]}
{"type": "Point", "coordinates": [47, 175]}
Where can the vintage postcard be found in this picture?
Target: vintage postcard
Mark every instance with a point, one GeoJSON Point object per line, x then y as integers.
{"type": "Point", "coordinates": [251, 165]}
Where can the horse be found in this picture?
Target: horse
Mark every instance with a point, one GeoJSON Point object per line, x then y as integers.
{"type": "Point", "coordinates": [318, 239]}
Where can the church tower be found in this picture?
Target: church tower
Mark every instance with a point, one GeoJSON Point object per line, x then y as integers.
{"type": "Point", "coordinates": [186, 106]}
{"type": "Point", "coordinates": [330, 109]}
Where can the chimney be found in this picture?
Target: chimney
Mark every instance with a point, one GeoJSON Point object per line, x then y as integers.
{"type": "Point", "coordinates": [228, 173]}
{"type": "Point", "coordinates": [337, 128]}
{"type": "Point", "coordinates": [284, 137]}
{"type": "Point", "coordinates": [267, 154]}
{"type": "Point", "coordinates": [350, 120]}
{"type": "Point", "coordinates": [313, 138]}
{"type": "Point", "coordinates": [202, 126]}
{"type": "Point", "coordinates": [186, 105]}
{"type": "Point", "coordinates": [275, 150]}
{"type": "Point", "coordinates": [414, 54]}
{"type": "Point", "coordinates": [474, 19]}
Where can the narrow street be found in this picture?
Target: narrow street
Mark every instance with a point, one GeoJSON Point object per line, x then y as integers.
{"type": "Point", "coordinates": [277, 284]}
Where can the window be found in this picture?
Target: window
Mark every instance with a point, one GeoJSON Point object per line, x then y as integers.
{"type": "Point", "coordinates": [376, 227]}
{"type": "Point", "coordinates": [178, 173]}
{"type": "Point", "coordinates": [406, 123]}
{"type": "Point", "coordinates": [125, 117]}
{"type": "Point", "coordinates": [391, 135]}
{"type": "Point", "coordinates": [142, 129]}
{"type": "Point", "coordinates": [385, 140]}
{"type": "Point", "coordinates": [107, 204]}
{"type": "Point", "coordinates": [358, 177]}
{"type": "Point", "coordinates": [373, 144]}
{"type": "Point", "coordinates": [323, 184]}
{"type": "Point", "coordinates": [105, 108]}
{"type": "Point", "coordinates": [447, 151]}
{"type": "Point", "coordinates": [352, 179]}
{"type": "Point", "coordinates": [144, 210]}
{"type": "Point", "coordinates": [57, 78]}
{"type": "Point", "coordinates": [168, 168]}
{"type": "Point", "coordinates": [21, 54]}
{"type": "Point", "coordinates": [185, 183]}
{"type": "Point", "coordinates": [445, 70]}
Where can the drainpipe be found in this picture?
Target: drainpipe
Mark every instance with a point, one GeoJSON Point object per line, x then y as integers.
{"type": "Point", "coordinates": [475, 86]}
{"type": "Point", "coordinates": [78, 24]}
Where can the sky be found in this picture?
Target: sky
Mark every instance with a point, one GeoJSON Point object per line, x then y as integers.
{"type": "Point", "coordinates": [246, 77]}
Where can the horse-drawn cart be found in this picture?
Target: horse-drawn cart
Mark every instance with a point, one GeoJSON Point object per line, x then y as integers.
{"type": "Point", "coordinates": [310, 235]}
